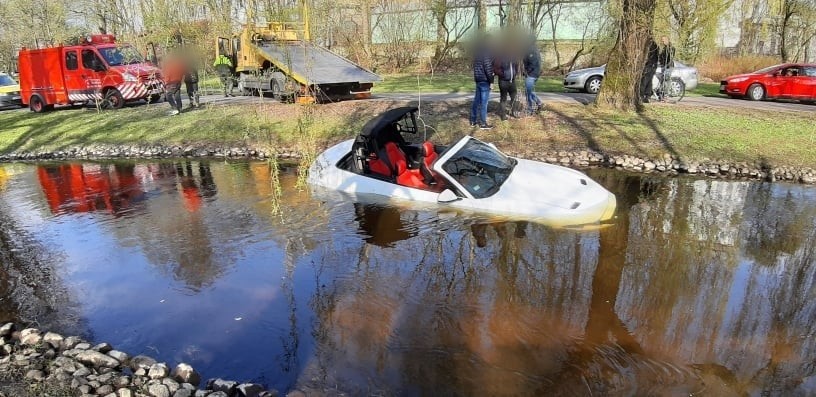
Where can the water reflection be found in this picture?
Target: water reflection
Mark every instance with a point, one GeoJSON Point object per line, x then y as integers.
{"type": "Point", "coordinates": [698, 286]}
{"type": "Point", "coordinates": [381, 225]}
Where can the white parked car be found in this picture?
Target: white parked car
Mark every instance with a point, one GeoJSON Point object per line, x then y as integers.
{"type": "Point", "coordinates": [468, 175]}
{"type": "Point", "coordinates": [589, 79]}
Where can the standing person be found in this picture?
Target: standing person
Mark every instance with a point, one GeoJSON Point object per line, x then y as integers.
{"type": "Point", "coordinates": [506, 70]}
{"type": "Point", "coordinates": [665, 61]}
{"type": "Point", "coordinates": [191, 83]}
{"type": "Point", "coordinates": [223, 66]}
{"type": "Point", "coordinates": [649, 72]}
{"type": "Point", "coordinates": [173, 76]}
{"type": "Point", "coordinates": [483, 77]}
{"type": "Point", "coordinates": [532, 71]}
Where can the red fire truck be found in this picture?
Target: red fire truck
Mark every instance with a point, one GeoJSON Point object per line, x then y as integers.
{"type": "Point", "coordinates": [98, 69]}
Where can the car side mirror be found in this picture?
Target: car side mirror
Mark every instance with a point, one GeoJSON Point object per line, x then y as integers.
{"type": "Point", "coordinates": [98, 67]}
{"type": "Point", "coordinates": [447, 196]}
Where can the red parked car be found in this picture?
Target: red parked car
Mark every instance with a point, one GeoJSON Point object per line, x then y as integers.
{"type": "Point", "coordinates": [787, 81]}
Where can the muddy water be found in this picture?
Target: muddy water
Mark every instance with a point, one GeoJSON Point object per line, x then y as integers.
{"type": "Point", "coordinates": [698, 286]}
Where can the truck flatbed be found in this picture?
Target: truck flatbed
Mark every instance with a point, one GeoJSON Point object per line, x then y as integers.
{"type": "Point", "coordinates": [311, 64]}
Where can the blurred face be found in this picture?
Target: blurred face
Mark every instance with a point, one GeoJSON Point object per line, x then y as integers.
{"type": "Point", "coordinates": [664, 40]}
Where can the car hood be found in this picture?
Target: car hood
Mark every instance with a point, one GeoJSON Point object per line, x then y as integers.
{"type": "Point", "coordinates": [141, 70]}
{"type": "Point", "coordinates": [540, 185]}
{"type": "Point", "coordinates": [743, 76]}
{"type": "Point", "coordinates": [8, 89]}
{"type": "Point", "coordinates": [595, 70]}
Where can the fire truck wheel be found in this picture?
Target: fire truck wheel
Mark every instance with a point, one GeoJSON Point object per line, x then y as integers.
{"type": "Point", "coordinates": [155, 98]}
{"type": "Point", "coordinates": [36, 104]}
{"type": "Point", "coordinates": [114, 99]}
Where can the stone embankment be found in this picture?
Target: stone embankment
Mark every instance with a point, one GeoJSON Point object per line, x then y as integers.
{"type": "Point", "coordinates": [33, 363]}
{"type": "Point", "coordinates": [667, 164]}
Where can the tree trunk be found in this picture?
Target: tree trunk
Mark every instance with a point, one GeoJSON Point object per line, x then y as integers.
{"type": "Point", "coordinates": [481, 11]}
{"type": "Point", "coordinates": [514, 14]}
{"type": "Point", "coordinates": [621, 85]}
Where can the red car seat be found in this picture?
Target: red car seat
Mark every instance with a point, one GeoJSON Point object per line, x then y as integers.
{"type": "Point", "coordinates": [404, 176]}
{"type": "Point", "coordinates": [430, 177]}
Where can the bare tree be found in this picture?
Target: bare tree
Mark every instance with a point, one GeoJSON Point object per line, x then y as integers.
{"type": "Point", "coordinates": [454, 19]}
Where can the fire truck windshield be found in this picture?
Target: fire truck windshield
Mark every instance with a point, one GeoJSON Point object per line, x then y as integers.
{"type": "Point", "coordinates": [122, 55]}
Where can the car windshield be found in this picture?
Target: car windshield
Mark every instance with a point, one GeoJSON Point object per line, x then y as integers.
{"type": "Point", "coordinates": [479, 168]}
{"type": "Point", "coordinates": [124, 55]}
{"type": "Point", "coordinates": [767, 70]}
{"type": "Point", "coordinates": [6, 80]}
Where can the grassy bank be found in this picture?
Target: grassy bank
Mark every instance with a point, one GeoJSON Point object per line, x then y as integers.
{"type": "Point", "coordinates": [686, 132]}
{"type": "Point", "coordinates": [459, 83]}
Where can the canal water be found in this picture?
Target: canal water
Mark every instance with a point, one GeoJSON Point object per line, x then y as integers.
{"type": "Point", "coordinates": [697, 286]}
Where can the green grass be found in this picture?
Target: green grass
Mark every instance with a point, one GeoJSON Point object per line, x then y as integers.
{"type": "Point", "coordinates": [705, 89]}
{"type": "Point", "coordinates": [449, 83]}
{"type": "Point", "coordinates": [690, 133]}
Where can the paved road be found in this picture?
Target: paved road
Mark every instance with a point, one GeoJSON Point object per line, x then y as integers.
{"type": "Point", "coordinates": [548, 97]}
{"type": "Point", "coordinates": [581, 98]}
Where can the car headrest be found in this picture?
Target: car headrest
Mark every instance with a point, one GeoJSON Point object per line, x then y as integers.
{"type": "Point", "coordinates": [427, 149]}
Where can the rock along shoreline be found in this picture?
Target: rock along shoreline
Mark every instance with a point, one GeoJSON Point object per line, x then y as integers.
{"type": "Point", "coordinates": [667, 164]}
{"type": "Point", "coordinates": [34, 363]}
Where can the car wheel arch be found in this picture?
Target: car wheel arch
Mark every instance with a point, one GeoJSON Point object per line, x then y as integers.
{"type": "Point", "coordinates": [752, 86]}
{"type": "Point", "coordinates": [600, 79]}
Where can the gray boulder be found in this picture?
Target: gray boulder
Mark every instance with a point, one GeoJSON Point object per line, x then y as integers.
{"type": "Point", "coordinates": [96, 359]}
{"type": "Point", "coordinates": [6, 329]}
{"type": "Point", "coordinates": [122, 357]}
{"type": "Point", "coordinates": [35, 375]}
{"type": "Point", "coordinates": [185, 373]}
{"type": "Point", "coordinates": [141, 361]}
{"type": "Point", "coordinates": [30, 336]}
{"type": "Point", "coordinates": [249, 390]}
{"type": "Point", "coordinates": [158, 390]}
{"type": "Point", "coordinates": [103, 347]}
{"type": "Point", "coordinates": [70, 342]}
{"type": "Point", "coordinates": [53, 339]}
{"type": "Point", "coordinates": [158, 371]}
{"type": "Point", "coordinates": [226, 386]}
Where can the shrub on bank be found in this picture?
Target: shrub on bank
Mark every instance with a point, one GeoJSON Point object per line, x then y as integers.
{"type": "Point", "coordinates": [719, 67]}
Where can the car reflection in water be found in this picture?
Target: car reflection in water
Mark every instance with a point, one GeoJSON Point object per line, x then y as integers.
{"type": "Point", "coordinates": [117, 188]}
{"type": "Point", "coordinates": [76, 188]}
{"type": "Point", "coordinates": [381, 224]}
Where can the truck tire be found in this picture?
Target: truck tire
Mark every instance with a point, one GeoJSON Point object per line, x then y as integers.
{"type": "Point", "coordinates": [37, 104]}
{"type": "Point", "coordinates": [113, 99]}
{"type": "Point", "coordinates": [155, 98]}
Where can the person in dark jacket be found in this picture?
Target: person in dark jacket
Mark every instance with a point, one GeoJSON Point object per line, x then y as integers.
{"type": "Point", "coordinates": [648, 72]}
{"type": "Point", "coordinates": [665, 61]}
{"type": "Point", "coordinates": [483, 76]}
{"type": "Point", "coordinates": [532, 71]}
{"type": "Point", "coordinates": [191, 83]}
{"type": "Point", "coordinates": [506, 69]}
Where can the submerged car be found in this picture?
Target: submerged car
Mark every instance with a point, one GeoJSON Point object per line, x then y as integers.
{"type": "Point", "coordinates": [468, 175]}
{"type": "Point", "coordinates": [785, 81]}
{"type": "Point", "coordinates": [589, 80]}
{"type": "Point", "coordinates": [9, 92]}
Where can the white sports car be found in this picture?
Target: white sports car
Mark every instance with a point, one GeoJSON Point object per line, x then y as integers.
{"type": "Point", "coordinates": [469, 175]}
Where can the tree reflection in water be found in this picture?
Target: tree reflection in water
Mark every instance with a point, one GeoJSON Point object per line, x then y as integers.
{"type": "Point", "coordinates": [698, 286]}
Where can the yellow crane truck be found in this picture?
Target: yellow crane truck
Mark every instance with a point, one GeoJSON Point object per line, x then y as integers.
{"type": "Point", "coordinates": [280, 58]}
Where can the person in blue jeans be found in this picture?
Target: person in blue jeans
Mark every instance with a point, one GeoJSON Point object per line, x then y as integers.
{"type": "Point", "coordinates": [483, 76]}
{"type": "Point", "coordinates": [532, 70]}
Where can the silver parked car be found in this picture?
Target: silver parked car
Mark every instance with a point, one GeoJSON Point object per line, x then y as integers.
{"type": "Point", "coordinates": [589, 80]}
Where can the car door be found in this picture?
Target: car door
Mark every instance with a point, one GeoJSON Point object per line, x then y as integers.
{"type": "Point", "coordinates": [93, 71]}
{"type": "Point", "coordinates": [775, 84]}
{"type": "Point", "coordinates": [790, 86]}
{"type": "Point", "coordinates": [74, 80]}
{"type": "Point", "coordinates": [806, 84]}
